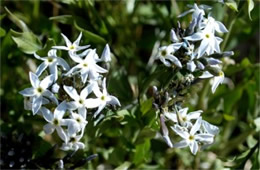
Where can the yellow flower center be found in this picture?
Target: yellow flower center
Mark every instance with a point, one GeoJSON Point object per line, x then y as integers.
{"type": "Point", "coordinates": [191, 137]}
{"type": "Point", "coordinates": [81, 101]}
{"type": "Point", "coordinates": [78, 120]}
{"type": "Point", "coordinates": [50, 59]}
{"type": "Point", "coordinates": [207, 35]}
{"type": "Point", "coordinates": [85, 65]}
{"type": "Point", "coordinates": [73, 140]}
{"type": "Point", "coordinates": [221, 74]}
{"type": "Point", "coordinates": [72, 47]}
{"type": "Point", "coordinates": [56, 122]}
{"type": "Point", "coordinates": [103, 98]}
{"type": "Point", "coordinates": [39, 90]}
{"type": "Point", "coordinates": [163, 53]}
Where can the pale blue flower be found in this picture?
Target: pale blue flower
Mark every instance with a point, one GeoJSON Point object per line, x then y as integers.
{"type": "Point", "coordinates": [209, 42]}
{"type": "Point", "coordinates": [55, 120]}
{"type": "Point", "coordinates": [86, 67]}
{"type": "Point", "coordinates": [52, 61]}
{"type": "Point", "coordinates": [182, 117]}
{"type": "Point", "coordinates": [38, 91]}
{"type": "Point", "coordinates": [166, 55]}
{"type": "Point", "coordinates": [216, 79]}
{"type": "Point", "coordinates": [103, 98]}
{"type": "Point", "coordinates": [72, 48]}
{"type": "Point", "coordinates": [191, 138]}
{"type": "Point", "coordinates": [79, 100]}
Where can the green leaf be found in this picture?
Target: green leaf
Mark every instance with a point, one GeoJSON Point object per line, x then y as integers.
{"type": "Point", "coordinates": [124, 166]}
{"type": "Point", "coordinates": [142, 152]}
{"type": "Point", "coordinates": [146, 106]}
{"type": "Point", "coordinates": [27, 42]}
{"type": "Point", "coordinates": [146, 133]}
{"type": "Point", "coordinates": [90, 36]}
{"type": "Point", "coordinates": [2, 17]}
{"type": "Point", "coordinates": [17, 21]}
{"type": "Point", "coordinates": [2, 32]}
{"type": "Point", "coordinates": [232, 5]}
{"type": "Point", "coordinates": [64, 19]}
{"type": "Point", "coordinates": [250, 7]}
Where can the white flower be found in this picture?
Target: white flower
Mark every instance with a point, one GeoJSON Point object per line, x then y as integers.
{"type": "Point", "coordinates": [55, 120]}
{"type": "Point", "coordinates": [196, 11]}
{"type": "Point", "coordinates": [77, 123]}
{"type": "Point", "coordinates": [103, 98]}
{"type": "Point", "coordinates": [214, 25]}
{"type": "Point", "coordinates": [52, 61]}
{"type": "Point", "coordinates": [73, 143]}
{"type": "Point", "coordinates": [165, 54]}
{"type": "Point", "coordinates": [72, 48]}
{"type": "Point", "coordinates": [216, 79]}
{"type": "Point", "coordinates": [190, 138]}
{"type": "Point", "coordinates": [86, 67]}
{"type": "Point", "coordinates": [209, 43]}
{"type": "Point", "coordinates": [28, 102]}
{"type": "Point", "coordinates": [79, 100]}
{"type": "Point", "coordinates": [106, 54]}
{"type": "Point", "coordinates": [182, 117]}
{"type": "Point", "coordinates": [38, 90]}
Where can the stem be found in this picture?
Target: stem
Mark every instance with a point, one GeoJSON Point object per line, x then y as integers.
{"type": "Point", "coordinates": [228, 34]}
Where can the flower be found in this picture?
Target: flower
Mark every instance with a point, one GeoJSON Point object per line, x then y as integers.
{"type": "Point", "coordinates": [216, 79]}
{"type": "Point", "coordinates": [79, 122]}
{"type": "Point", "coordinates": [38, 90]}
{"type": "Point", "coordinates": [182, 117]}
{"type": "Point", "coordinates": [103, 98]}
{"type": "Point", "coordinates": [73, 143]}
{"type": "Point", "coordinates": [215, 25]}
{"type": "Point", "coordinates": [106, 54]}
{"type": "Point", "coordinates": [195, 10]}
{"type": "Point", "coordinates": [87, 67]}
{"type": "Point", "coordinates": [209, 43]}
{"type": "Point", "coordinates": [166, 53]}
{"type": "Point", "coordinates": [190, 138]}
{"type": "Point", "coordinates": [72, 48]}
{"type": "Point", "coordinates": [55, 120]}
{"type": "Point", "coordinates": [79, 100]}
{"type": "Point", "coordinates": [52, 61]}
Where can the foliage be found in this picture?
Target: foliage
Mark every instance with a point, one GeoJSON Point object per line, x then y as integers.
{"type": "Point", "coordinates": [129, 137]}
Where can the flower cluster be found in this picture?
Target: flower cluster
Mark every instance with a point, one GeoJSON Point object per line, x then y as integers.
{"type": "Point", "coordinates": [194, 54]}
{"type": "Point", "coordinates": [197, 48]}
{"type": "Point", "coordinates": [64, 92]}
{"type": "Point", "coordinates": [191, 128]}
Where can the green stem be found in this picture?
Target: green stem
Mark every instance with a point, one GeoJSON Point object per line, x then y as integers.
{"type": "Point", "coordinates": [228, 34]}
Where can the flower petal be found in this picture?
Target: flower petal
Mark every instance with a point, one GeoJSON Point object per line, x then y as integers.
{"type": "Point", "coordinates": [100, 108]}
{"type": "Point", "coordinates": [60, 110]}
{"type": "Point", "coordinates": [106, 54]}
{"type": "Point", "coordinates": [61, 133]}
{"type": "Point", "coordinates": [181, 144]}
{"type": "Point", "coordinates": [194, 147]}
{"type": "Point", "coordinates": [36, 104]}
{"type": "Point", "coordinates": [41, 68]}
{"type": "Point", "coordinates": [71, 92]}
{"type": "Point", "coordinates": [196, 126]}
{"type": "Point", "coordinates": [78, 39]}
{"type": "Point", "coordinates": [34, 80]}
{"type": "Point", "coordinates": [113, 100]}
{"type": "Point", "coordinates": [48, 128]}
{"type": "Point", "coordinates": [177, 129]}
{"type": "Point", "coordinates": [86, 91]}
{"type": "Point", "coordinates": [54, 71]}
{"type": "Point", "coordinates": [63, 63]}
{"type": "Point", "coordinates": [27, 92]}
{"type": "Point", "coordinates": [47, 81]}
{"type": "Point", "coordinates": [51, 96]}
{"type": "Point", "coordinates": [47, 114]}
{"type": "Point", "coordinates": [92, 103]}
{"type": "Point", "coordinates": [67, 41]}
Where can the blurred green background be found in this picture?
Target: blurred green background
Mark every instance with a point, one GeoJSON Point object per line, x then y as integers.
{"type": "Point", "coordinates": [128, 137]}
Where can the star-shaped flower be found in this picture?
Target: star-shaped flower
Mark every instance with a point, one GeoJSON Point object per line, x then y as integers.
{"type": "Point", "coordinates": [79, 100]}
{"type": "Point", "coordinates": [86, 67]}
{"type": "Point", "coordinates": [52, 61]}
{"type": "Point", "coordinates": [216, 79]}
{"type": "Point", "coordinates": [190, 138]}
{"type": "Point", "coordinates": [38, 91]}
{"type": "Point", "coordinates": [55, 120]}
{"type": "Point", "coordinates": [209, 42]}
{"type": "Point", "coordinates": [182, 117]}
{"type": "Point", "coordinates": [165, 54]}
{"type": "Point", "coordinates": [103, 98]}
{"type": "Point", "coordinates": [72, 48]}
